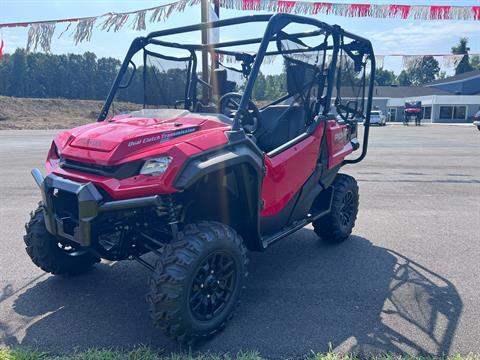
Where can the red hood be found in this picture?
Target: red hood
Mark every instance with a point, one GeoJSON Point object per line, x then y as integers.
{"type": "Point", "coordinates": [119, 139]}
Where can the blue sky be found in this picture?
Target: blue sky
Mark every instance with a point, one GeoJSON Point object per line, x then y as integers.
{"type": "Point", "coordinates": [388, 36]}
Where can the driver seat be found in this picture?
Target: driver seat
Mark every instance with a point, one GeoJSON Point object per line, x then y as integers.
{"type": "Point", "coordinates": [219, 86]}
{"type": "Point", "coordinates": [282, 123]}
{"type": "Point", "coordinates": [219, 83]}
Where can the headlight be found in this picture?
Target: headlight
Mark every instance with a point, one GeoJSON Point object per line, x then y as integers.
{"type": "Point", "coordinates": [156, 166]}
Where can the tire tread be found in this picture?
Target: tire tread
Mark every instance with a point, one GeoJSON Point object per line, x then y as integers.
{"type": "Point", "coordinates": [171, 270]}
{"type": "Point", "coordinates": [328, 227]}
{"type": "Point", "coordinates": [42, 248]}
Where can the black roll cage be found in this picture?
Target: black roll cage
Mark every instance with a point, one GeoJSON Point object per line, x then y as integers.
{"type": "Point", "coordinates": [275, 24]}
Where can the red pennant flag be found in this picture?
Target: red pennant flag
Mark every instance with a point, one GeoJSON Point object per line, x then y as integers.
{"type": "Point", "coordinates": [1, 50]}
{"type": "Point", "coordinates": [326, 8]}
{"type": "Point", "coordinates": [285, 6]}
{"type": "Point", "coordinates": [440, 12]}
{"type": "Point", "coordinates": [359, 10]}
{"type": "Point", "coordinates": [404, 10]}
{"type": "Point", "coordinates": [251, 5]}
{"type": "Point", "coordinates": [476, 12]}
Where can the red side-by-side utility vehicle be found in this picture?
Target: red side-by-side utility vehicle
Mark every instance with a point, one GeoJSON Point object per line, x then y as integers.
{"type": "Point", "coordinates": [204, 170]}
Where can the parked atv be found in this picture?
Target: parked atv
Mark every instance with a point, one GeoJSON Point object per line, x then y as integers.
{"type": "Point", "coordinates": [199, 174]}
{"type": "Point", "coordinates": [413, 111]}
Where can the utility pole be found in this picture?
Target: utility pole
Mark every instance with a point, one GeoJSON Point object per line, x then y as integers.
{"type": "Point", "coordinates": [204, 18]}
{"type": "Point", "coordinates": [216, 8]}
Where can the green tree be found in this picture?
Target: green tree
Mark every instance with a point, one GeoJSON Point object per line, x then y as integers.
{"type": "Point", "coordinates": [89, 65]}
{"type": "Point", "coordinates": [421, 73]}
{"type": "Point", "coordinates": [107, 68]}
{"type": "Point", "coordinates": [384, 77]}
{"type": "Point", "coordinates": [259, 89]}
{"type": "Point", "coordinates": [404, 79]}
{"type": "Point", "coordinates": [275, 86]}
{"type": "Point", "coordinates": [442, 75]}
{"type": "Point", "coordinates": [46, 75]}
{"type": "Point", "coordinates": [18, 75]}
{"type": "Point", "coordinates": [426, 71]}
{"type": "Point", "coordinates": [5, 71]}
{"type": "Point", "coordinates": [475, 62]}
{"type": "Point", "coordinates": [462, 49]}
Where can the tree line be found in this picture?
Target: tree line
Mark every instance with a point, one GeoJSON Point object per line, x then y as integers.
{"type": "Point", "coordinates": [68, 76]}
{"type": "Point", "coordinates": [86, 77]}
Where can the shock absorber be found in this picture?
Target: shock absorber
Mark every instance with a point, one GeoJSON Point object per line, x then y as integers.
{"type": "Point", "coordinates": [172, 216]}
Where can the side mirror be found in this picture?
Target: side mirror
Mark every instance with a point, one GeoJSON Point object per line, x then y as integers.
{"type": "Point", "coordinates": [347, 111]}
{"type": "Point", "coordinates": [351, 109]}
{"type": "Point", "coordinates": [132, 74]}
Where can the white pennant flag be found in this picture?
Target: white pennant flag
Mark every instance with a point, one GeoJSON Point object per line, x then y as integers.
{"type": "Point", "coordinates": [452, 61]}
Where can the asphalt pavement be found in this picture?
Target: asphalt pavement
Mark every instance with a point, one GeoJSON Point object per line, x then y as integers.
{"type": "Point", "coordinates": [406, 282]}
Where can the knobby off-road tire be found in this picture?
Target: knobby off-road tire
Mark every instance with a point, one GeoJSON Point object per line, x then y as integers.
{"type": "Point", "coordinates": [46, 251]}
{"type": "Point", "coordinates": [204, 270]}
{"type": "Point", "coordinates": [338, 224]}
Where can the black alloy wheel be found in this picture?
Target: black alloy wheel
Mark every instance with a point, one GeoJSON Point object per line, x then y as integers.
{"type": "Point", "coordinates": [213, 285]}
{"type": "Point", "coordinates": [337, 226]}
{"type": "Point", "coordinates": [348, 210]}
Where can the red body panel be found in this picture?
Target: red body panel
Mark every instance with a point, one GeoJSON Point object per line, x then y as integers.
{"type": "Point", "coordinates": [122, 140]}
{"type": "Point", "coordinates": [338, 141]}
{"type": "Point", "coordinates": [287, 172]}
{"type": "Point", "coordinates": [116, 142]}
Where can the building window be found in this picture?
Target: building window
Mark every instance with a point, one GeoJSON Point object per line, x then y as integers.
{"type": "Point", "coordinates": [392, 114]}
{"type": "Point", "coordinates": [427, 112]}
{"type": "Point", "coordinates": [446, 112]}
{"type": "Point", "coordinates": [453, 112]}
{"type": "Point", "coordinates": [459, 112]}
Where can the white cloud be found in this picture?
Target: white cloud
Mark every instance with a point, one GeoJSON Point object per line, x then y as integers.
{"type": "Point", "coordinates": [11, 41]}
{"type": "Point", "coordinates": [424, 38]}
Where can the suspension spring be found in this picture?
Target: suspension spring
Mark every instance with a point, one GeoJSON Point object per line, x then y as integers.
{"type": "Point", "coordinates": [172, 216]}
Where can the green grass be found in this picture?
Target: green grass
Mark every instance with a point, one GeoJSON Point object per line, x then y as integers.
{"type": "Point", "coordinates": [144, 353]}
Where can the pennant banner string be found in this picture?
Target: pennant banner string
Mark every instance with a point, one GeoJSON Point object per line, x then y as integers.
{"type": "Point", "coordinates": [41, 32]}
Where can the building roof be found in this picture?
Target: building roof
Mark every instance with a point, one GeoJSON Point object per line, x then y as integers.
{"type": "Point", "coordinates": [457, 78]}
{"type": "Point", "coordinates": [406, 91]}
{"type": "Point", "coordinates": [391, 91]}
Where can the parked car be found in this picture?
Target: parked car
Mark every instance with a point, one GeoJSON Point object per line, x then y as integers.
{"type": "Point", "coordinates": [378, 118]}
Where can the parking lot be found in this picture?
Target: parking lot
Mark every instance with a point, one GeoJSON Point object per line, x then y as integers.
{"type": "Point", "coordinates": [407, 281]}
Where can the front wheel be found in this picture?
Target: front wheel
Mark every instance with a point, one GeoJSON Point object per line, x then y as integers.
{"type": "Point", "coordinates": [196, 285]}
{"type": "Point", "coordinates": [338, 224]}
{"type": "Point", "coordinates": [52, 254]}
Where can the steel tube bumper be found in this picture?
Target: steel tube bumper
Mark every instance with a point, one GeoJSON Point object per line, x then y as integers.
{"type": "Point", "coordinates": [89, 205]}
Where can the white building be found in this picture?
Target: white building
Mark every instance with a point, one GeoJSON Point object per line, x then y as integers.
{"type": "Point", "coordinates": [455, 99]}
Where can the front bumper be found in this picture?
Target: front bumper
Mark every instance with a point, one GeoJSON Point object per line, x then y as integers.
{"type": "Point", "coordinates": [85, 205]}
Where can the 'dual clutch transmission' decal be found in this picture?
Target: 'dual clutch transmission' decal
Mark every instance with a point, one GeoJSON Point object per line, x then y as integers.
{"type": "Point", "coordinates": [164, 137]}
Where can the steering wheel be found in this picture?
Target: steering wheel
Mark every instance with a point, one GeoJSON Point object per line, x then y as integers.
{"type": "Point", "coordinates": [229, 105]}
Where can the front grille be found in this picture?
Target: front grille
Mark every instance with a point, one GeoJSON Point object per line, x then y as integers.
{"type": "Point", "coordinates": [86, 167]}
{"type": "Point", "coordinates": [118, 172]}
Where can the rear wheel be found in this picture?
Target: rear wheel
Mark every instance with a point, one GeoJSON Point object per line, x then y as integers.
{"type": "Point", "coordinates": [197, 283]}
{"type": "Point", "coordinates": [54, 255]}
{"type": "Point", "coordinates": [338, 224]}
